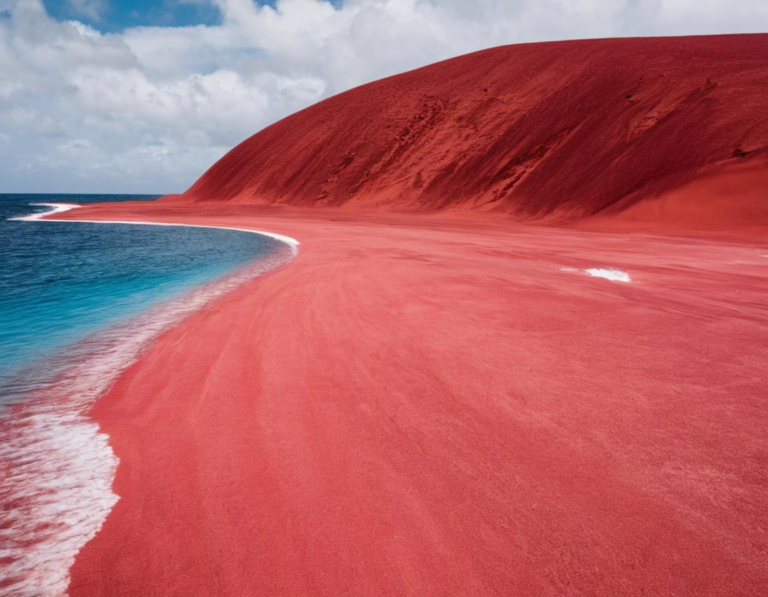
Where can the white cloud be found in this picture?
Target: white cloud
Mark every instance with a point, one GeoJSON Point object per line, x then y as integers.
{"type": "Point", "coordinates": [151, 108]}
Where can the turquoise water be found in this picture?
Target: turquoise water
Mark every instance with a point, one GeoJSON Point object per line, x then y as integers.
{"type": "Point", "coordinates": [61, 282]}
{"type": "Point", "coordinates": [79, 303]}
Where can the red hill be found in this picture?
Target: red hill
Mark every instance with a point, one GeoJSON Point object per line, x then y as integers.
{"type": "Point", "coordinates": [546, 131]}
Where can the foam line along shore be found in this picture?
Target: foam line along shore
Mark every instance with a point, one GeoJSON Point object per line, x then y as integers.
{"type": "Point", "coordinates": [57, 465]}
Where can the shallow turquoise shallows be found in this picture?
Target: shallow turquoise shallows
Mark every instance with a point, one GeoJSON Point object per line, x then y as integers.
{"type": "Point", "coordinates": [61, 282]}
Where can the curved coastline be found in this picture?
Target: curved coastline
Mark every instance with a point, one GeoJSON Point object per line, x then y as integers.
{"type": "Point", "coordinates": [435, 408]}
{"type": "Point", "coordinates": [57, 458]}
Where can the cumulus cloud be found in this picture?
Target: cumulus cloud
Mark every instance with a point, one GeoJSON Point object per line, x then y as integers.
{"type": "Point", "coordinates": [149, 109]}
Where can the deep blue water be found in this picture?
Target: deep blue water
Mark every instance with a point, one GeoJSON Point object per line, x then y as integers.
{"type": "Point", "coordinates": [60, 282]}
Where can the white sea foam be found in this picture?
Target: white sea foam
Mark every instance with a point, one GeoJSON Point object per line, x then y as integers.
{"type": "Point", "coordinates": [56, 466]}
{"type": "Point", "coordinates": [56, 208]}
{"type": "Point", "coordinates": [615, 275]}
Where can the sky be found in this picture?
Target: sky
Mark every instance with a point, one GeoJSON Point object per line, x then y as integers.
{"type": "Point", "coordinates": [142, 96]}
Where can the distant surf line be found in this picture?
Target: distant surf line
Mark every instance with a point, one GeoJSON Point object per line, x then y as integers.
{"type": "Point", "coordinates": [62, 207]}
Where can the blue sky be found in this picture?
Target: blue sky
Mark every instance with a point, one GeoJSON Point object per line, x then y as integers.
{"type": "Point", "coordinates": [118, 15]}
{"type": "Point", "coordinates": [113, 16]}
{"type": "Point", "coordinates": [129, 96]}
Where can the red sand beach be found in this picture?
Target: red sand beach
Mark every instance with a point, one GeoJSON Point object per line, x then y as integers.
{"type": "Point", "coordinates": [427, 406]}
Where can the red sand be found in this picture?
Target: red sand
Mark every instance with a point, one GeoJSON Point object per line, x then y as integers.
{"type": "Point", "coordinates": [548, 131]}
{"type": "Point", "coordinates": [421, 406]}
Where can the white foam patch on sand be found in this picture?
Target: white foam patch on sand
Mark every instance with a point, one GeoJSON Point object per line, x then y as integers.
{"type": "Point", "coordinates": [56, 466]}
{"type": "Point", "coordinates": [615, 275]}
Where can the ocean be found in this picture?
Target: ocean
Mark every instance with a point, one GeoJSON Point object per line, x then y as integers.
{"type": "Point", "coordinates": [80, 302]}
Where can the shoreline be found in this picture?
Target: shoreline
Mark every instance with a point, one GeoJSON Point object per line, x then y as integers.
{"type": "Point", "coordinates": [413, 408]}
{"type": "Point", "coordinates": [416, 409]}
{"type": "Point", "coordinates": [59, 208]}
{"type": "Point", "coordinates": [58, 457]}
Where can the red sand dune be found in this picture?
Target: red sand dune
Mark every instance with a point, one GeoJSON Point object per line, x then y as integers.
{"type": "Point", "coordinates": [429, 406]}
{"type": "Point", "coordinates": [551, 131]}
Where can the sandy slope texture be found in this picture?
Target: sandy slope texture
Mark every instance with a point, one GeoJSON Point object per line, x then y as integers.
{"type": "Point", "coordinates": [417, 406]}
{"type": "Point", "coordinates": [546, 131]}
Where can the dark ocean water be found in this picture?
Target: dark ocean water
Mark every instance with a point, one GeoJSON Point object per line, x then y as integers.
{"type": "Point", "coordinates": [79, 303]}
